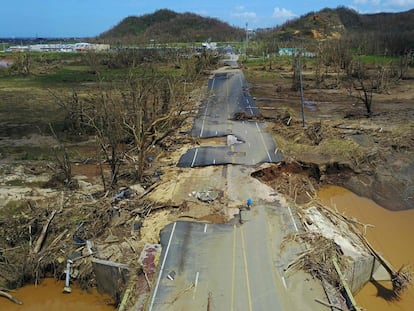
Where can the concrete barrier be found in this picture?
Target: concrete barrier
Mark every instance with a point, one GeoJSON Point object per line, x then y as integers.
{"type": "Point", "coordinates": [111, 277]}
{"type": "Point", "coordinates": [359, 272]}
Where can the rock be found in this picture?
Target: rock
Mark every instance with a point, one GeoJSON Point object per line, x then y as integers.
{"type": "Point", "coordinates": [207, 196]}
{"type": "Point", "coordinates": [83, 185]}
{"type": "Point", "coordinates": [138, 189]}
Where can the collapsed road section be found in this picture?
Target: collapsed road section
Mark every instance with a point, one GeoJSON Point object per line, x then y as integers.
{"type": "Point", "coordinates": [248, 143]}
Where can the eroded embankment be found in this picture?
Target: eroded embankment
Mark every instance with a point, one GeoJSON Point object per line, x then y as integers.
{"type": "Point", "coordinates": [370, 154]}
{"type": "Point", "coordinates": [362, 158]}
{"type": "Point", "coordinates": [299, 180]}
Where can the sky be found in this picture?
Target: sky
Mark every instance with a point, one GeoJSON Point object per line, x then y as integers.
{"type": "Point", "coordinates": [86, 18]}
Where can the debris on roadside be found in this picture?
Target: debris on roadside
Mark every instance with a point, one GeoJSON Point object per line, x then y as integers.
{"type": "Point", "coordinates": [149, 261]}
{"type": "Point", "coordinates": [241, 116]}
{"type": "Point", "coordinates": [233, 140]}
{"type": "Point", "coordinates": [338, 253]}
{"type": "Point", "coordinates": [122, 194]}
{"type": "Point", "coordinates": [206, 196]}
{"type": "Point", "coordinates": [171, 275]}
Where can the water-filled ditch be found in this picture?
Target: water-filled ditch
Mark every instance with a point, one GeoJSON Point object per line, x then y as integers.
{"type": "Point", "coordinates": [392, 236]}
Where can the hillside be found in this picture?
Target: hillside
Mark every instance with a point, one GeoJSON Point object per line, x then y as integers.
{"type": "Point", "coordinates": [166, 26]}
{"type": "Point", "coordinates": [393, 32]}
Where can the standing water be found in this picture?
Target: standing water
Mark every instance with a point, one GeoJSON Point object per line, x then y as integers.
{"type": "Point", "coordinates": [392, 236]}
{"type": "Point", "coordinates": [48, 296]}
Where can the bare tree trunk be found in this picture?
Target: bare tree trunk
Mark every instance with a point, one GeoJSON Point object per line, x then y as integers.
{"type": "Point", "coordinates": [363, 85]}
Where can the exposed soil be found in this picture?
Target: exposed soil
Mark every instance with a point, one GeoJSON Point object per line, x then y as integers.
{"type": "Point", "coordinates": [370, 155]}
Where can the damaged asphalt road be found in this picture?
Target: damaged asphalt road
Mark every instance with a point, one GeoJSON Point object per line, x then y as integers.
{"type": "Point", "coordinates": [252, 144]}
{"type": "Point", "coordinates": [232, 266]}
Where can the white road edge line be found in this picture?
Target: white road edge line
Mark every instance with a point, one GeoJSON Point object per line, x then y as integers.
{"type": "Point", "coordinates": [264, 143]}
{"type": "Point", "coordinates": [195, 284]}
{"type": "Point", "coordinates": [293, 219]}
{"type": "Point", "coordinates": [204, 119]}
{"type": "Point", "coordinates": [162, 268]}
{"type": "Point", "coordinates": [249, 107]}
{"type": "Point", "coordinates": [194, 158]}
{"type": "Point", "coordinates": [205, 228]}
{"type": "Point", "coordinates": [284, 282]}
{"type": "Point", "coordinates": [205, 112]}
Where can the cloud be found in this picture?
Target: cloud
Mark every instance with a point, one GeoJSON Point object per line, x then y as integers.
{"type": "Point", "coordinates": [241, 12]}
{"type": "Point", "coordinates": [367, 2]}
{"type": "Point", "coordinates": [249, 15]}
{"type": "Point", "coordinates": [381, 4]}
{"type": "Point", "coordinates": [282, 14]}
{"type": "Point", "coordinates": [400, 3]}
{"type": "Point", "coordinates": [202, 12]}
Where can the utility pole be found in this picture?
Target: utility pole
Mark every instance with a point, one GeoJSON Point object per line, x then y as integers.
{"type": "Point", "coordinates": [299, 65]}
{"type": "Point", "coordinates": [247, 38]}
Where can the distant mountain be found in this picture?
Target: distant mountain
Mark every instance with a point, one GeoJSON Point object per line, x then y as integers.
{"type": "Point", "coordinates": [391, 31]}
{"type": "Point", "coordinates": [166, 26]}
{"type": "Point", "coordinates": [335, 22]}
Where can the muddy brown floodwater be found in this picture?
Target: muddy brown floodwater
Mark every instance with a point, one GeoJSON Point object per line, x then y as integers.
{"type": "Point", "coordinates": [392, 236]}
{"type": "Point", "coordinates": [48, 296]}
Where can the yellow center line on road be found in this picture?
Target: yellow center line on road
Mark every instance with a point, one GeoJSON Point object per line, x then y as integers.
{"type": "Point", "coordinates": [234, 268]}
{"type": "Point", "coordinates": [246, 270]}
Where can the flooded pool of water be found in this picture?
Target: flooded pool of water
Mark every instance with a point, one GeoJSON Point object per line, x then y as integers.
{"type": "Point", "coordinates": [392, 236]}
{"type": "Point", "coordinates": [48, 296]}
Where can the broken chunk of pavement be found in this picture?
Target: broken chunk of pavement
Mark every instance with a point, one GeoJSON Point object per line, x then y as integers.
{"type": "Point", "coordinates": [207, 196]}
